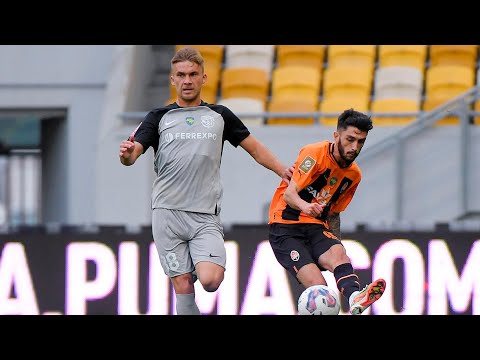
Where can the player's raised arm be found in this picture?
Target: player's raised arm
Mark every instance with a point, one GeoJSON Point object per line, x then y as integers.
{"type": "Point", "coordinates": [265, 157]}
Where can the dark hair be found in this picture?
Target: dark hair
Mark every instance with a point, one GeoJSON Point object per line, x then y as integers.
{"type": "Point", "coordinates": [354, 118]}
{"type": "Point", "coordinates": [188, 54]}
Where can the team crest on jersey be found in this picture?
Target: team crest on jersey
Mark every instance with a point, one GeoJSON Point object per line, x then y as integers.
{"type": "Point", "coordinates": [190, 120]}
{"type": "Point", "coordinates": [307, 164]}
{"type": "Point", "coordinates": [333, 181]}
{"type": "Point", "coordinates": [207, 121]}
{"type": "Point", "coordinates": [294, 255]}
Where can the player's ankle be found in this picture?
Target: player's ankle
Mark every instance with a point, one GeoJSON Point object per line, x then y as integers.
{"type": "Point", "coordinates": [350, 299]}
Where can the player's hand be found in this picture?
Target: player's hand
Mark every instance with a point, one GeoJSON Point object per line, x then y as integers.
{"type": "Point", "coordinates": [126, 147]}
{"type": "Point", "coordinates": [288, 173]}
{"type": "Point", "coordinates": [313, 209]}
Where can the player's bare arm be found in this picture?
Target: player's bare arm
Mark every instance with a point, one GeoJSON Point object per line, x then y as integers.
{"type": "Point", "coordinates": [333, 221]}
{"type": "Point", "coordinates": [130, 151]}
{"type": "Point", "coordinates": [292, 198]}
{"type": "Point", "coordinates": [266, 158]}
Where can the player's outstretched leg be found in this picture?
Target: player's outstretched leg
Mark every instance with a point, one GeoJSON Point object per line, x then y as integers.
{"type": "Point", "coordinates": [361, 300]}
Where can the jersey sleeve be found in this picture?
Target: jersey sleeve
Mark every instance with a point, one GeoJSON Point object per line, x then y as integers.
{"type": "Point", "coordinates": [308, 164]}
{"type": "Point", "coordinates": [235, 130]}
{"type": "Point", "coordinates": [147, 133]}
{"type": "Point", "coordinates": [344, 199]}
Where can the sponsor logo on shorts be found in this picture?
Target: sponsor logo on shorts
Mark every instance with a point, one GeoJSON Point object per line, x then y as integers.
{"type": "Point", "coordinates": [294, 255]}
{"type": "Point", "coordinates": [213, 256]}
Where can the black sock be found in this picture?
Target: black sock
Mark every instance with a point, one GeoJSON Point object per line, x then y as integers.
{"type": "Point", "coordinates": [347, 280]}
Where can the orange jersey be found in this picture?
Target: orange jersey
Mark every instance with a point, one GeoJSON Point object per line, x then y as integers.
{"type": "Point", "coordinates": [322, 180]}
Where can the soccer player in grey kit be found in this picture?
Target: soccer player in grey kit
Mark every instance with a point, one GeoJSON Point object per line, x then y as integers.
{"type": "Point", "coordinates": [187, 137]}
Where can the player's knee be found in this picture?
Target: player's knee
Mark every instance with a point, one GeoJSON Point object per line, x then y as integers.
{"type": "Point", "coordinates": [335, 256]}
{"type": "Point", "coordinates": [212, 282]}
{"type": "Point", "coordinates": [338, 253]}
{"type": "Point", "coordinates": [183, 284]}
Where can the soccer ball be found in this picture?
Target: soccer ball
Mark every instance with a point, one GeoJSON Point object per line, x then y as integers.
{"type": "Point", "coordinates": [318, 300]}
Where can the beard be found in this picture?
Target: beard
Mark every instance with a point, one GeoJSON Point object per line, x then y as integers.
{"type": "Point", "coordinates": [347, 158]}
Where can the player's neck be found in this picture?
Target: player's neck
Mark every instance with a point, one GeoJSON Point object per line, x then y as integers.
{"type": "Point", "coordinates": [184, 103]}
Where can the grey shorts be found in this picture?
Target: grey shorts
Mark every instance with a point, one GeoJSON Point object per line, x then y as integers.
{"type": "Point", "coordinates": [185, 238]}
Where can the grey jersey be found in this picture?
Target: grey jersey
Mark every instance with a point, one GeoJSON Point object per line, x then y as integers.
{"type": "Point", "coordinates": [188, 146]}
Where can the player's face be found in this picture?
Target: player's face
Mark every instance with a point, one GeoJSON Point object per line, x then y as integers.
{"type": "Point", "coordinates": [349, 143]}
{"type": "Point", "coordinates": [188, 78]}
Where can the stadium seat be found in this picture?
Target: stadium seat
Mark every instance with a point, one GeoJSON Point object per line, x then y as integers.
{"type": "Point", "coordinates": [296, 83]}
{"type": "Point", "coordinates": [352, 55]}
{"type": "Point", "coordinates": [347, 82]}
{"type": "Point", "coordinates": [403, 55]}
{"type": "Point", "coordinates": [432, 103]}
{"type": "Point", "coordinates": [289, 105]}
{"type": "Point", "coordinates": [212, 54]}
{"type": "Point", "coordinates": [448, 81]}
{"type": "Point", "coordinates": [303, 55]}
{"type": "Point", "coordinates": [246, 106]}
{"type": "Point", "coordinates": [336, 105]}
{"type": "Point", "coordinates": [394, 106]}
{"type": "Point", "coordinates": [443, 83]}
{"type": "Point", "coordinates": [461, 55]}
{"type": "Point", "coordinates": [256, 56]}
{"type": "Point", "coordinates": [245, 82]}
{"type": "Point", "coordinates": [404, 82]}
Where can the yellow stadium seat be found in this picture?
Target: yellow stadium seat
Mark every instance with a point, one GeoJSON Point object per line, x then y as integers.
{"type": "Point", "coordinates": [296, 82]}
{"type": "Point", "coordinates": [304, 55]}
{"type": "Point", "coordinates": [432, 103]}
{"type": "Point", "coordinates": [394, 106]}
{"type": "Point", "coordinates": [352, 55]}
{"type": "Point", "coordinates": [347, 82]}
{"type": "Point", "coordinates": [443, 83]}
{"type": "Point", "coordinates": [448, 81]}
{"type": "Point", "coordinates": [337, 105]}
{"type": "Point", "coordinates": [288, 105]}
{"type": "Point", "coordinates": [403, 55]}
{"type": "Point", "coordinates": [245, 82]}
{"type": "Point", "coordinates": [212, 54]}
{"type": "Point", "coordinates": [462, 55]}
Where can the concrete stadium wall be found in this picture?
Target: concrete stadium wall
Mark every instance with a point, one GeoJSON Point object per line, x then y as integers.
{"type": "Point", "coordinates": [89, 85]}
{"type": "Point", "coordinates": [94, 84]}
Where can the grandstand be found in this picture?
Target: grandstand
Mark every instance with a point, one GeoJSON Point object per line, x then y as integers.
{"type": "Point", "coordinates": [65, 199]}
{"type": "Point", "coordinates": [84, 99]}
